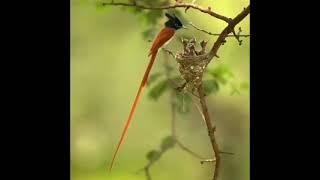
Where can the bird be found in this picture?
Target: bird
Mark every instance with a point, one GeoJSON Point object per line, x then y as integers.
{"type": "Point", "coordinates": [164, 36]}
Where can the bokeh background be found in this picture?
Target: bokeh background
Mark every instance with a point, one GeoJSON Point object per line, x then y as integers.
{"type": "Point", "coordinates": [108, 59]}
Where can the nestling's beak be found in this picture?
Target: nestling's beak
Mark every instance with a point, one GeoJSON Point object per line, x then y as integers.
{"type": "Point", "coordinates": [184, 27]}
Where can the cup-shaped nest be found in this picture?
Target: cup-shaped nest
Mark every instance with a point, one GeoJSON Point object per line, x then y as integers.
{"type": "Point", "coordinates": [192, 62]}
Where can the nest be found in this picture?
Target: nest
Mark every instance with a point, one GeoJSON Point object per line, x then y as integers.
{"type": "Point", "coordinates": [192, 62]}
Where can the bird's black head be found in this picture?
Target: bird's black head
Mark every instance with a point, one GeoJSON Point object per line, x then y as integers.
{"type": "Point", "coordinates": [173, 22]}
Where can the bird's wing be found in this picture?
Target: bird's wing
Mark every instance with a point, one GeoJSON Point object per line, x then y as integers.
{"type": "Point", "coordinates": [164, 35]}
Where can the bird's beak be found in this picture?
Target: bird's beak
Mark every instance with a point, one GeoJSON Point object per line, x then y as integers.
{"type": "Point", "coordinates": [184, 27]}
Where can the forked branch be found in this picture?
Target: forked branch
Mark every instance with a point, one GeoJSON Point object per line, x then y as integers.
{"type": "Point", "coordinates": [173, 6]}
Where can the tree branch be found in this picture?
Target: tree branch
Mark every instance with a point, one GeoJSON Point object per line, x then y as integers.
{"type": "Point", "coordinates": [217, 34]}
{"type": "Point", "coordinates": [183, 147]}
{"type": "Point", "coordinates": [227, 31]}
{"type": "Point", "coordinates": [194, 75]}
{"type": "Point", "coordinates": [177, 5]}
{"type": "Point", "coordinates": [211, 130]}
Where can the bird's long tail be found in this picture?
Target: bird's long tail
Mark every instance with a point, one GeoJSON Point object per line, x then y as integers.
{"type": "Point", "coordinates": [142, 85]}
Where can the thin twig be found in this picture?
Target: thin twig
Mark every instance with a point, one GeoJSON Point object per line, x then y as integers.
{"type": "Point", "coordinates": [211, 130]}
{"type": "Point", "coordinates": [227, 31]}
{"type": "Point", "coordinates": [183, 147]}
{"type": "Point", "coordinates": [199, 110]}
{"type": "Point", "coordinates": [237, 36]}
{"type": "Point", "coordinates": [173, 114]}
{"type": "Point", "coordinates": [217, 34]}
{"type": "Point", "coordinates": [147, 171]}
{"type": "Point", "coordinates": [203, 118]}
{"type": "Point", "coordinates": [177, 5]}
{"type": "Point", "coordinates": [224, 152]}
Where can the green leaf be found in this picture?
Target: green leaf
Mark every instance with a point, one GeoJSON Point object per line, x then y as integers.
{"type": "Point", "coordinates": [176, 82]}
{"type": "Point", "coordinates": [154, 77]}
{"type": "Point", "coordinates": [210, 86]}
{"type": "Point", "coordinates": [184, 102]}
{"type": "Point", "coordinates": [153, 16]}
{"type": "Point", "coordinates": [158, 89]}
{"type": "Point", "coordinates": [153, 155]}
{"type": "Point", "coordinates": [167, 143]}
{"type": "Point", "coordinates": [149, 33]}
{"type": "Point", "coordinates": [222, 73]}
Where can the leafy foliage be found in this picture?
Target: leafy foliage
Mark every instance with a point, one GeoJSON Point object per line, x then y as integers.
{"type": "Point", "coordinates": [167, 143]}
{"type": "Point", "coordinates": [149, 33]}
{"type": "Point", "coordinates": [153, 155]}
{"type": "Point", "coordinates": [222, 73]}
{"type": "Point", "coordinates": [156, 91]}
{"type": "Point", "coordinates": [183, 102]}
{"type": "Point", "coordinates": [153, 77]}
{"type": "Point", "coordinates": [210, 86]}
{"type": "Point", "coordinates": [237, 89]}
{"type": "Point", "coordinates": [218, 77]}
{"type": "Point", "coordinates": [148, 18]}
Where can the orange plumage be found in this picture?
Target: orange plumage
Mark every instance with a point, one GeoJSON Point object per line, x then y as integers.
{"type": "Point", "coordinates": [164, 36]}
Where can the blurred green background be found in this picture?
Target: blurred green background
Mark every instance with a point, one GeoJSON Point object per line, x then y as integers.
{"type": "Point", "coordinates": [108, 59]}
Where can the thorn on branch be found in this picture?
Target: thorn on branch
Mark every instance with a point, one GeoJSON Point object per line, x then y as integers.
{"type": "Point", "coordinates": [186, 9]}
{"type": "Point", "coordinates": [224, 152]}
{"type": "Point", "coordinates": [237, 36]}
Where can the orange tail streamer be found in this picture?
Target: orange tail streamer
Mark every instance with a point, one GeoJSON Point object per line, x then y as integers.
{"type": "Point", "coordinates": [142, 85]}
